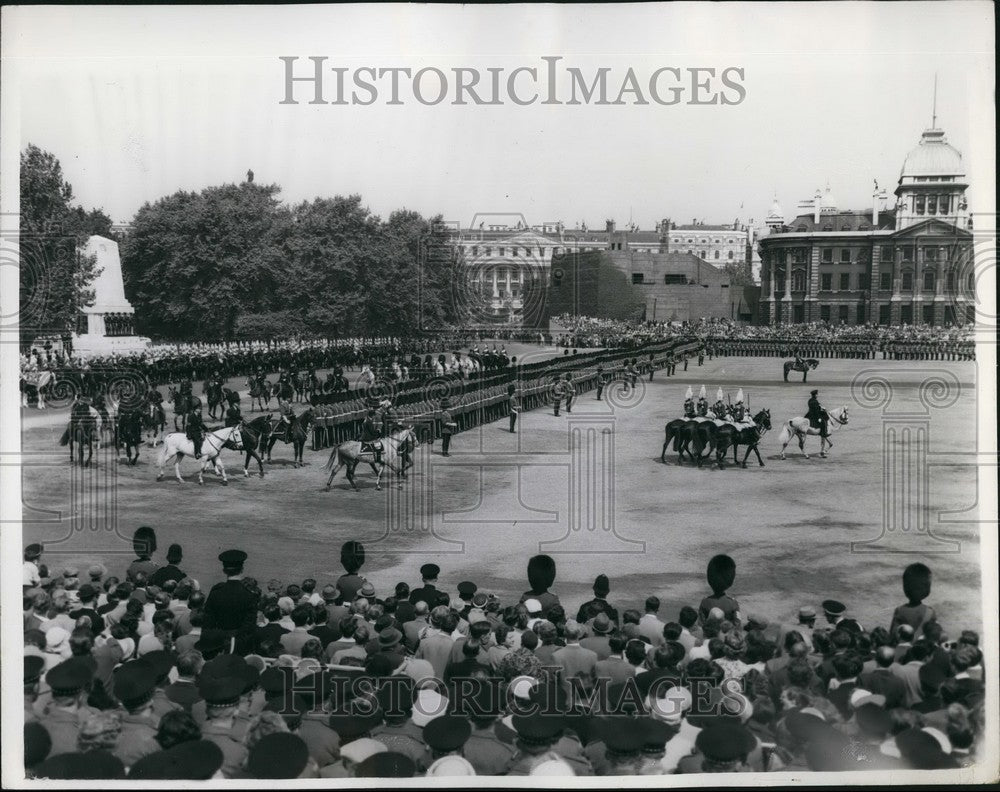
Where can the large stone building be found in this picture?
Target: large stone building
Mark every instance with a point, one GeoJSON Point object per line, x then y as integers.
{"type": "Point", "coordinates": [509, 265]}
{"type": "Point", "coordinates": [911, 264]}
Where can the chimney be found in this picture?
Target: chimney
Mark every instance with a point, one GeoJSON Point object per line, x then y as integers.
{"type": "Point", "coordinates": [817, 202]}
{"type": "Point", "coordinates": [609, 226]}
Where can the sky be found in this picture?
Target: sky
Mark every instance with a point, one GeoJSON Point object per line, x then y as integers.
{"type": "Point", "coordinates": [139, 102]}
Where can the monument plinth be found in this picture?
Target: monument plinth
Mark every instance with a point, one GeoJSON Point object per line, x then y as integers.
{"type": "Point", "coordinates": [110, 316]}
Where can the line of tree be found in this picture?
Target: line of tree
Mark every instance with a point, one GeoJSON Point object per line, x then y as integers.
{"type": "Point", "coordinates": [235, 262]}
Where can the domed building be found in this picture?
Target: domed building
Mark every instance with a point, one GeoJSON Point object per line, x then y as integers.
{"type": "Point", "coordinates": [911, 264]}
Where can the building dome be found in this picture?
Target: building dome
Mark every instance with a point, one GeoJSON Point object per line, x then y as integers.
{"type": "Point", "coordinates": [933, 156]}
{"type": "Point", "coordinates": [775, 212]}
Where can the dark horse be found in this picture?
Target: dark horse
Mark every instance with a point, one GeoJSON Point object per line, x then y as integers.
{"type": "Point", "coordinates": [254, 435]}
{"type": "Point", "coordinates": [183, 404]}
{"type": "Point", "coordinates": [128, 433]}
{"type": "Point", "coordinates": [674, 431]}
{"type": "Point", "coordinates": [260, 393]}
{"type": "Point", "coordinates": [214, 397]}
{"type": "Point", "coordinates": [154, 422]}
{"type": "Point", "coordinates": [805, 366]}
{"type": "Point", "coordinates": [730, 435]}
{"type": "Point", "coordinates": [296, 434]}
{"type": "Point", "coordinates": [84, 430]}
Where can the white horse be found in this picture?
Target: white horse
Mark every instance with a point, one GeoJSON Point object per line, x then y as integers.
{"type": "Point", "coordinates": [39, 380]}
{"type": "Point", "coordinates": [799, 428]}
{"type": "Point", "coordinates": [177, 444]}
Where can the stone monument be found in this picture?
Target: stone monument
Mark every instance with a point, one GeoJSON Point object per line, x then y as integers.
{"type": "Point", "coordinates": [110, 315]}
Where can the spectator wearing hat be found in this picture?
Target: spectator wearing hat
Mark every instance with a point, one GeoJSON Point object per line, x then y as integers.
{"type": "Point", "coordinates": [31, 576]}
{"type": "Point", "coordinates": [599, 604]}
{"type": "Point", "coordinates": [193, 760]}
{"type": "Point", "coordinates": [834, 611]}
{"type": "Point", "coordinates": [87, 607]}
{"type": "Point", "coordinates": [428, 592]}
{"type": "Point", "coordinates": [171, 571]}
{"type": "Point", "coordinates": [541, 576]}
{"type": "Point", "coordinates": [601, 628]}
{"type": "Point", "coordinates": [96, 573]}
{"type": "Point", "coordinates": [78, 765]}
{"type": "Point", "coordinates": [222, 696]}
{"type": "Point", "coordinates": [724, 747]}
{"type": "Point", "coordinates": [446, 735]}
{"type": "Point", "coordinates": [37, 746]}
{"type": "Point", "coordinates": [279, 755]}
{"type": "Point", "coordinates": [623, 743]}
{"type": "Point", "coordinates": [69, 683]}
{"type": "Point", "coordinates": [230, 606]}
{"type": "Point", "coordinates": [721, 575]}
{"type": "Point", "coordinates": [804, 626]}
{"type": "Point", "coordinates": [34, 666]}
{"type": "Point", "coordinates": [466, 591]}
{"type": "Point", "coordinates": [386, 764]}
{"type": "Point", "coordinates": [144, 545]}
{"type": "Point", "coordinates": [536, 735]}
{"type": "Point", "coordinates": [335, 610]}
{"type": "Point", "coordinates": [882, 680]}
{"type": "Point", "coordinates": [134, 685]}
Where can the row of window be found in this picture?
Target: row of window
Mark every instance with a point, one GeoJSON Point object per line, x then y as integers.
{"type": "Point", "coordinates": [860, 314]}
{"type": "Point", "coordinates": [639, 279]}
{"type": "Point", "coordinates": [863, 281]}
{"type": "Point", "coordinates": [846, 255]}
{"type": "Point", "coordinates": [932, 204]}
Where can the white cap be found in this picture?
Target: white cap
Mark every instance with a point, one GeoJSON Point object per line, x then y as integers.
{"type": "Point", "coordinates": [670, 706]}
{"type": "Point", "coordinates": [552, 767]}
{"type": "Point", "coordinates": [429, 705]}
{"type": "Point", "coordinates": [450, 766]}
{"type": "Point", "coordinates": [359, 750]}
{"type": "Point", "coordinates": [689, 394]}
{"type": "Point", "coordinates": [521, 687]}
{"type": "Point", "coordinates": [533, 606]}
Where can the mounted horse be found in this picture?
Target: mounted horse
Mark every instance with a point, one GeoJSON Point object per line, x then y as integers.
{"type": "Point", "coordinates": [735, 436]}
{"type": "Point", "coordinates": [805, 366]}
{"type": "Point", "coordinates": [254, 436]}
{"type": "Point", "coordinates": [154, 422]}
{"type": "Point", "coordinates": [37, 382]}
{"type": "Point", "coordinates": [260, 393]}
{"type": "Point", "coordinates": [800, 428]}
{"type": "Point", "coordinates": [84, 429]}
{"type": "Point", "coordinates": [213, 396]}
{"type": "Point", "coordinates": [128, 433]}
{"type": "Point", "coordinates": [396, 450]}
{"type": "Point", "coordinates": [176, 445]}
{"type": "Point", "coordinates": [183, 403]}
{"type": "Point", "coordinates": [674, 430]}
{"type": "Point", "coordinates": [297, 433]}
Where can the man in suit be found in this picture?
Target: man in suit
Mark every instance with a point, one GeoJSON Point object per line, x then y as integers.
{"type": "Point", "coordinates": [882, 681]}
{"type": "Point", "coordinates": [616, 669]}
{"type": "Point", "coordinates": [650, 626]}
{"type": "Point", "coordinates": [601, 627]}
{"type": "Point", "coordinates": [575, 661]}
{"type": "Point", "coordinates": [230, 606]}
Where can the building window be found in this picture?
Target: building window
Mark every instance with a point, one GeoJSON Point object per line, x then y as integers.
{"type": "Point", "coordinates": [918, 204]}
{"type": "Point", "coordinates": [689, 251]}
{"type": "Point", "coordinates": [824, 313]}
{"type": "Point", "coordinates": [845, 256]}
{"type": "Point", "coordinates": [887, 253]}
{"type": "Point", "coordinates": [680, 280]}
{"type": "Point", "coordinates": [826, 281]}
{"type": "Point", "coordinates": [489, 251]}
{"type": "Point", "coordinates": [907, 281]}
{"type": "Point", "coordinates": [842, 312]}
{"type": "Point", "coordinates": [828, 227]}
{"type": "Point", "coordinates": [950, 282]}
{"type": "Point", "coordinates": [799, 281]}
{"type": "Point", "coordinates": [826, 255]}
{"type": "Point", "coordinates": [928, 314]}
{"type": "Point", "coordinates": [730, 255]}
{"type": "Point", "coordinates": [475, 250]}
{"type": "Point", "coordinates": [845, 281]}
{"type": "Point", "coordinates": [930, 253]}
{"type": "Point", "coordinates": [801, 228]}
{"type": "Point", "coordinates": [503, 252]}
{"type": "Point", "coordinates": [928, 281]}
{"type": "Point", "coordinates": [864, 280]}
{"type": "Point", "coordinates": [690, 241]}
{"type": "Point", "coordinates": [885, 281]}
{"type": "Point", "coordinates": [845, 227]}
{"type": "Point", "coordinates": [637, 277]}
{"type": "Point", "coordinates": [513, 251]}
{"type": "Point", "coordinates": [931, 204]}
{"type": "Point", "coordinates": [716, 254]}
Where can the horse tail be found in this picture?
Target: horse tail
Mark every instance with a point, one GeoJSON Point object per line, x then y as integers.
{"type": "Point", "coordinates": [333, 456]}
{"type": "Point", "coordinates": [786, 434]}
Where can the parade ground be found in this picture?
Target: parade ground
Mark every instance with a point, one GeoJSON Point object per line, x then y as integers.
{"type": "Point", "coordinates": [589, 489]}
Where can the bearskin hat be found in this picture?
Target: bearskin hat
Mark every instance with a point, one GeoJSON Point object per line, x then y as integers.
{"type": "Point", "coordinates": [917, 582]}
{"type": "Point", "coordinates": [721, 572]}
{"type": "Point", "coordinates": [352, 556]}
{"type": "Point", "coordinates": [144, 541]}
{"type": "Point", "coordinates": [541, 572]}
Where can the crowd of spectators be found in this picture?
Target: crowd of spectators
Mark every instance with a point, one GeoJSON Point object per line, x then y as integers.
{"type": "Point", "coordinates": [145, 673]}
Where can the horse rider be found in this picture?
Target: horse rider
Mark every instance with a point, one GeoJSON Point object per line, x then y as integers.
{"type": "Point", "coordinates": [702, 408]}
{"type": "Point", "coordinates": [800, 364]}
{"type": "Point", "coordinates": [719, 408]}
{"type": "Point", "coordinates": [816, 414]}
{"type": "Point", "coordinates": [739, 411]}
{"type": "Point", "coordinates": [195, 431]}
{"type": "Point", "coordinates": [233, 415]}
{"type": "Point", "coordinates": [371, 437]}
{"type": "Point", "coordinates": [287, 416]}
{"type": "Point", "coordinates": [689, 403]}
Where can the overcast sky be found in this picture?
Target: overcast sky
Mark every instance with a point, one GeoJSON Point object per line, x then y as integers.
{"type": "Point", "coordinates": [140, 102]}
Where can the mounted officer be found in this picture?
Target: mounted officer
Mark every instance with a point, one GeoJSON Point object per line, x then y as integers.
{"type": "Point", "coordinates": [739, 411]}
{"type": "Point", "coordinates": [233, 415]}
{"type": "Point", "coordinates": [719, 408]}
{"type": "Point", "coordinates": [195, 431]}
{"type": "Point", "coordinates": [371, 438]}
{"type": "Point", "coordinates": [816, 414]}
{"type": "Point", "coordinates": [689, 403]}
{"type": "Point", "coordinates": [702, 407]}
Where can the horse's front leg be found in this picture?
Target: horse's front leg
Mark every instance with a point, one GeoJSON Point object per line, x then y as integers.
{"type": "Point", "coordinates": [802, 446]}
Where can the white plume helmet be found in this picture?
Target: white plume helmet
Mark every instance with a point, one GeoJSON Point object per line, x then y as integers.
{"type": "Point", "coordinates": [689, 394]}
{"type": "Point", "coordinates": [701, 393]}
{"type": "Point", "coordinates": [739, 395]}
{"type": "Point", "coordinates": [719, 395]}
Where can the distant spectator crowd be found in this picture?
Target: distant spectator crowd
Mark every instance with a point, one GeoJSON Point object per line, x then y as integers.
{"type": "Point", "coordinates": [142, 672]}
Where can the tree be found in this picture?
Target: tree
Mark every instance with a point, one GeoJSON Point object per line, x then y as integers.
{"type": "Point", "coordinates": [739, 273]}
{"type": "Point", "coordinates": [55, 278]}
